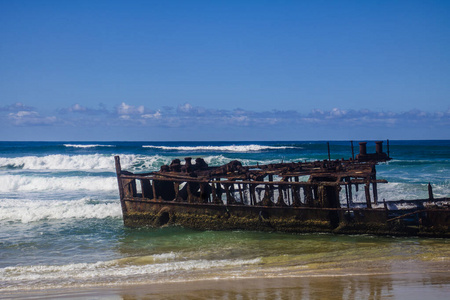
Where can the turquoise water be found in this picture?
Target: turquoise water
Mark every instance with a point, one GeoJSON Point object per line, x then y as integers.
{"type": "Point", "coordinates": [61, 225]}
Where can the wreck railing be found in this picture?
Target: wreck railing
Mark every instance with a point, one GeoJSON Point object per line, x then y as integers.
{"type": "Point", "coordinates": [288, 192]}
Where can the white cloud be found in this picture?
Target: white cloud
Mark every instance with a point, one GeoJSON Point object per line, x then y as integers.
{"type": "Point", "coordinates": [157, 115]}
{"type": "Point", "coordinates": [185, 108]}
{"type": "Point", "coordinates": [337, 112]}
{"type": "Point", "coordinates": [18, 106]}
{"type": "Point", "coordinates": [30, 118]}
{"type": "Point", "coordinates": [189, 116]}
{"type": "Point", "coordinates": [78, 107]}
{"type": "Point", "coordinates": [239, 119]}
{"type": "Point", "coordinates": [22, 114]}
{"type": "Point", "coordinates": [125, 109]}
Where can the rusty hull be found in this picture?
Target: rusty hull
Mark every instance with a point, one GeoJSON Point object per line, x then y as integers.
{"type": "Point", "coordinates": [287, 197]}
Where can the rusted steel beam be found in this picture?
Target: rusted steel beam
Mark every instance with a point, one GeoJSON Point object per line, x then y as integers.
{"type": "Point", "coordinates": [408, 214]}
{"type": "Point", "coordinates": [328, 146]}
{"type": "Point", "coordinates": [430, 192]}
{"type": "Point", "coordinates": [367, 193]}
{"type": "Point", "coordinates": [120, 183]}
{"type": "Point", "coordinates": [118, 173]}
{"type": "Point", "coordinates": [360, 181]}
{"type": "Point", "coordinates": [353, 152]}
{"type": "Point", "coordinates": [301, 183]}
{"type": "Point", "coordinates": [272, 183]}
{"type": "Point", "coordinates": [210, 204]}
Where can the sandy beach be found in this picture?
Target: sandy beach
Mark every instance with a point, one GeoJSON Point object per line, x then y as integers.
{"type": "Point", "coordinates": [384, 286]}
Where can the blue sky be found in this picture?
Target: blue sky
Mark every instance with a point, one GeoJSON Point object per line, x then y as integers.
{"type": "Point", "coordinates": [224, 70]}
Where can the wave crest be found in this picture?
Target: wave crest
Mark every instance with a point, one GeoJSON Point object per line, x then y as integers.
{"type": "Point", "coordinates": [91, 162]}
{"type": "Point", "coordinates": [26, 211]}
{"type": "Point", "coordinates": [230, 148]}
{"type": "Point", "coordinates": [107, 272]}
{"type": "Point", "coordinates": [59, 162]}
{"type": "Point", "coordinates": [21, 183]}
{"type": "Point", "coordinates": [87, 146]}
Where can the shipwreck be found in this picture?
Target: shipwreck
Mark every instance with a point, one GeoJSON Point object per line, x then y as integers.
{"type": "Point", "coordinates": [300, 197]}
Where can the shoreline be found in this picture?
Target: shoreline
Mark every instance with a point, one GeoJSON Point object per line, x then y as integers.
{"type": "Point", "coordinates": [435, 285]}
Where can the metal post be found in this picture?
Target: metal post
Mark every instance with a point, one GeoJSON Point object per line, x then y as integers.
{"type": "Point", "coordinates": [328, 145]}
{"type": "Point", "coordinates": [119, 182]}
{"type": "Point", "coordinates": [367, 191]}
{"type": "Point", "coordinates": [375, 192]}
{"type": "Point", "coordinates": [350, 194]}
{"type": "Point", "coordinates": [388, 148]}
{"type": "Point", "coordinates": [353, 152]}
{"type": "Point", "coordinates": [346, 196]}
{"type": "Point", "coordinates": [430, 192]}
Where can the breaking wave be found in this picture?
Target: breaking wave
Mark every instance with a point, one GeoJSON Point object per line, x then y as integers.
{"type": "Point", "coordinates": [26, 211]}
{"type": "Point", "coordinates": [60, 162]}
{"type": "Point", "coordinates": [23, 183]}
{"type": "Point", "coordinates": [108, 272]}
{"type": "Point", "coordinates": [88, 146]}
{"type": "Point", "coordinates": [231, 148]}
{"type": "Point", "coordinates": [99, 162]}
{"type": "Point", "coordinates": [218, 160]}
{"type": "Point", "coordinates": [91, 162]}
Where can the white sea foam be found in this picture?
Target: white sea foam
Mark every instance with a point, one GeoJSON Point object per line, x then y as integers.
{"type": "Point", "coordinates": [87, 146]}
{"type": "Point", "coordinates": [395, 191]}
{"type": "Point", "coordinates": [402, 191]}
{"type": "Point", "coordinates": [416, 161]}
{"type": "Point", "coordinates": [218, 160]}
{"type": "Point", "coordinates": [44, 276]}
{"type": "Point", "coordinates": [24, 183]}
{"type": "Point", "coordinates": [91, 162]}
{"type": "Point", "coordinates": [26, 211]}
{"type": "Point", "coordinates": [60, 162]}
{"type": "Point", "coordinates": [141, 163]}
{"type": "Point", "coordinates": [231, 148]}
{"type": "Point", "coordinates": [99, 162]}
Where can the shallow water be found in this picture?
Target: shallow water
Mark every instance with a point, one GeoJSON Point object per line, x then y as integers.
{"type": "Point", "coordinates": [62, 254]}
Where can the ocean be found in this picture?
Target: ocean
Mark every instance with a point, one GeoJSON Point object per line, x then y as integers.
{"type": "Point", "coordinates": [61, 226]}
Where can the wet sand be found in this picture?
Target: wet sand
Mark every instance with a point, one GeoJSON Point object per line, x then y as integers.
{"type": "Point", "coordinates": [388, 286]}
